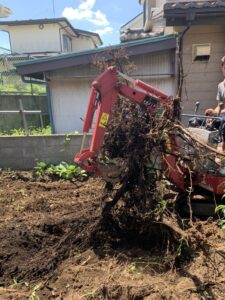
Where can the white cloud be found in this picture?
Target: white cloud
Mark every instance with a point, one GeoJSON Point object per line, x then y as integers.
{"type": "Point", "coordinates": [104, 31]}
{"type": "Point", "coordinates": [88, 4]}
{"type": "Point", "coordinates": [100, 19]}
{"type": "Point", "coordinates": [75, 14]}
{"type": "Point", "coordinates": [85, 12]}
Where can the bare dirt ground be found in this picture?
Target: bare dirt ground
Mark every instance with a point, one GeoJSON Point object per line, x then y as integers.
{"type": "Point", "coordinates": [48, 249]}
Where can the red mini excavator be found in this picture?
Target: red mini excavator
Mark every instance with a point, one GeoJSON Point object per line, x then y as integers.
{"type": "Point", "coordinates": [208, 174]}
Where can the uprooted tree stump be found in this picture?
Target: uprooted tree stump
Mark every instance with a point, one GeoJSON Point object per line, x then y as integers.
{"type": "Point", "coordinates": [137, 209]}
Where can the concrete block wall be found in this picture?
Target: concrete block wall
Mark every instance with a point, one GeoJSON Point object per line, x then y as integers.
{"type": "Point", "coordinates": [24, 152]}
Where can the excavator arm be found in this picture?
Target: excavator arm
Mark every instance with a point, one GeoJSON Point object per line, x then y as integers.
{"type": "Point", "coordinates": [103, 97]}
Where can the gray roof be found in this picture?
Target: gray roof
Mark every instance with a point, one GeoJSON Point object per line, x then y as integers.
{"type": "Point", "coordinates": [35, 68]}
{"type": "Point", "coordinates": [88, 33]}
{"type": "Point", "coordinates": [76, 31]}
{"type": "Point", "coordinates": [179, 13]}
{"type": "Point", "coordinates": [194, 4]}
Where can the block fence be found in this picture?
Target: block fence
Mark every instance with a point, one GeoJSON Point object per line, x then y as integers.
{"type": "Point", "coordinates": [24, 152]}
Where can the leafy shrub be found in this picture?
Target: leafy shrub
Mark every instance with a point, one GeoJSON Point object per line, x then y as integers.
{"type": "Point", "coordinates": [63, 170]}
{"type": "Point", "coordinates": [40, 169]}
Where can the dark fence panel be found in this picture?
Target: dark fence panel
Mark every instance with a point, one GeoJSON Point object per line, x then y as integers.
{"type": "Point", "coordinates": [14, 121]}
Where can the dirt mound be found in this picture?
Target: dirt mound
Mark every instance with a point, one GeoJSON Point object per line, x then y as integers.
{"type": "Point", "coordinates": [50, 246]}
{"type": "Point", "coordinates": [41, 223]}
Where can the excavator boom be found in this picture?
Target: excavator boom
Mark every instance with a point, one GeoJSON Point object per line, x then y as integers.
{"type": "Point", "coordinates": [104, 92]}
{"type": "Point", "coordinates": [103, 97]}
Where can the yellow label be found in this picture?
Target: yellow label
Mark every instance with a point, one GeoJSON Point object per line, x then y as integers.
{"type": "Point", "coordinates": [168, 145]}
{"type": "Point", "coordinates": [168, 142]}
{"type": "Point", "coordinates": [104, 120]}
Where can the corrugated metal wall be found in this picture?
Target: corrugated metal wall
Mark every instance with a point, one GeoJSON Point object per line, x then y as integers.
{"type": "Point", "coordinates": [158, 70]}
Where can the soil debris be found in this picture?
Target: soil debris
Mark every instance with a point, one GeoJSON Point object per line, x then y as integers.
{"type": "Point", "coordinates": [47, 235]}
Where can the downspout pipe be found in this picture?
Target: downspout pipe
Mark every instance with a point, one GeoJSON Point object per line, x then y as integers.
{"type": "Point", "coordinates": [180, 60]}
{"type": "Point", "coordinates": [49, 102]}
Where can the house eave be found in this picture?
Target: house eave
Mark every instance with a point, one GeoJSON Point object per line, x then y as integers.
{"type": "Point", "coordinates": [62, 22]}
{"type": "Point", "coordinates": [93, 35]}
{"type": "Point", "coordinates": [199, 20]}
{"type": "Point", "coordinates": [177, 14]}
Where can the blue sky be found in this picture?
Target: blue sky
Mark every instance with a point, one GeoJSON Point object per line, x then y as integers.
{"type": "Point", "coordinates": [102, 16]}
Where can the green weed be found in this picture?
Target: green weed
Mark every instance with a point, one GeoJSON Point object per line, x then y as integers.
{"type": "Point", "coordinates": [135, 272]}
{"type": "Point", "coordinates": [220, 209]}
{"type": "Point", "coordinates": [40, 169]}
{"type": "Point", "coordinates": [34, 295]}
{"type": "Point", "coordinates": [179, 249]}
{"type": "Point", "coordinates": [131, 268]}
{"type": "Point", "coordinates": [32, 131]}
{"type": "Point", "coordinates": [63, 170]}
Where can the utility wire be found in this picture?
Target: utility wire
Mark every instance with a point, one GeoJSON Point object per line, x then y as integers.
{"type": "Point", "coordinates": [53, 7]}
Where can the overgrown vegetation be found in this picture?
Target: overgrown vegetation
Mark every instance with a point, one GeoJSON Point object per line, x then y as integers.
{"type": "Point", "coordinates": [63, 170]}
{"type": "Point", "coordinates": [32, 131]}
{"type": "Point", "coordinates": [119, 58]}
{"type": "Point", "coordinates": [11, 82]}
{"type": "Point", "coordinates": [22, 89]}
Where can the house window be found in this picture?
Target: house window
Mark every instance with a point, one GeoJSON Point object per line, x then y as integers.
{"type": "Point", "coordinates": [201, 52]}
{"type": "Point", "coordinates": [5, 46]}
{"type": "Point", "coordinates": [67, 43]}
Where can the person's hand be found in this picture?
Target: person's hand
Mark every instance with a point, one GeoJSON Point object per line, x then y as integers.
{"type": "Point", "coordinates": [211, 112]}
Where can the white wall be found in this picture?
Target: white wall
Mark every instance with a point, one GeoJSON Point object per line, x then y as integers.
{"type": "Point", "coordinates": [160, 3]}
{"type": "Point", "coordinates": [69, 103]}
{"type": "Point", "coordinates": [32, 39]}
{"type": "Point", "coordinates": [70, 99]}
{"type": "Point", "coordinates": [82, 43]}
{"type": "Point", "coordinates": [28, 39]}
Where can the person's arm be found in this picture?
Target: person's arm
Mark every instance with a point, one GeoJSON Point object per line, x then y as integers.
{"type": "Point", "coordinates": [219, 101]}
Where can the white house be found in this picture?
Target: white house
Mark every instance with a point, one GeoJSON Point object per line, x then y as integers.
{"type": "Point", "coordinates": [43, 37]}
{"type": "Point", "coordinates": [149, 23]}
